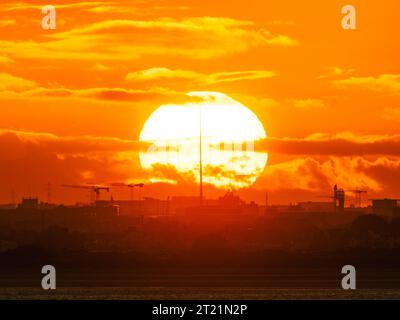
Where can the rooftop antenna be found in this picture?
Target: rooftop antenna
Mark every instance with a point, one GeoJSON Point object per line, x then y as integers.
{"type": "Point", "coordinates": [201, 158]}
{"type": "Point", "coordinates": [13, 197]}
{"type": "Point", "coordinates": [49, 193]}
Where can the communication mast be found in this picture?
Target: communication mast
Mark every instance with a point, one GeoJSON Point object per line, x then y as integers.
{"type": "Point", "coordinates": [201, 157]}
{"type": "Point", "coordinates": [49, 193]}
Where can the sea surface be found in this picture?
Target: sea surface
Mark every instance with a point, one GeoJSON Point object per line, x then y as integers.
{"type": "Point", "coordinates": [161, 284]}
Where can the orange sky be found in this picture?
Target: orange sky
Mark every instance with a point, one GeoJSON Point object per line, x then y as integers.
{"type": "Point", "coordinates": [73, 100]}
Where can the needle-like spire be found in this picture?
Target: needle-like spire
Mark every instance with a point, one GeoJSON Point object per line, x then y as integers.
{"type": "Point", "coordinates": [201, 158]}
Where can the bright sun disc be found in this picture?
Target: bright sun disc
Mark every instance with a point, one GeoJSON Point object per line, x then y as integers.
{"type": "Point", "coordinates": [228, 131]}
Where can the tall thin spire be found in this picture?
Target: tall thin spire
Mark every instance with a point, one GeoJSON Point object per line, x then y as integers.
{"type": "Point", "coordinates": [201, 157]}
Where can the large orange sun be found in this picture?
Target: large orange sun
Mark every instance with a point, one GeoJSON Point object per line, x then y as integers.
{"type": "Point", "coordinates": [228, 131]}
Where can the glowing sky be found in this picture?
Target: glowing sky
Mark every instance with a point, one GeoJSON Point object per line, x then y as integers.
{"type": "Point", "coordinates": [73, 101]}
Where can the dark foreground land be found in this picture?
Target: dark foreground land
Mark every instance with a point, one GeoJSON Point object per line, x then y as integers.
{"type": "Point", "coordinates": [254, 257]}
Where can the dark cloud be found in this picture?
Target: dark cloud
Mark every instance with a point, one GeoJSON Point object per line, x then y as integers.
{"type": "Point", "coordinates": [340, 145]}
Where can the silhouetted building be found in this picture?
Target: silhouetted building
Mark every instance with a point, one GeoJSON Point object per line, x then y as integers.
{"type": "Point", "coordinates": [227, 207]}
{"type": "Point", "coordinates": [29, 203]}
{"type": "Point", "coordinates": [311, 206]}
{"type": "Point", "coordinates": [339, 197]}
{"type": "Point", "coordinates": [105, 209]}
{"type": "Point", "coordinates": [9, 206]}
{"type": "Point", "coordinates": [385, 207]}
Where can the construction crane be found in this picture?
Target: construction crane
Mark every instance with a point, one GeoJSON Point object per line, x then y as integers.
{"type": "Point", "coordinates": [95, 188]}
{"type": "Point", "coordinates": [358, 194]}
{"type": "Point", "coordinates": [131, 186]}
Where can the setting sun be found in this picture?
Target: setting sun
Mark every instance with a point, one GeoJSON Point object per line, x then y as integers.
{"type": "Point", "coordinates": [228, 131]}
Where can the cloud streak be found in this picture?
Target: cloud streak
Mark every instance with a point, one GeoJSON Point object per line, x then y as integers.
{"type": "Point", "coordinates": [16, 84]}
{"type": "Point", "coordinates": [345, 144]}
{"type": "Point", "coordinates": [16, 87]}
{"type": "Point", "coordinates": [195, 38]}
{"type": "Point", "coordinates": [308, 104]}
{"type": "Point", "coordinates": [67, 144]}
{"type": "Point", "coordinates": [160, 74]}
{"type": "Point", "coordinates": [23, 6]}
{"type": "Point", "coordinates": [385, 83]}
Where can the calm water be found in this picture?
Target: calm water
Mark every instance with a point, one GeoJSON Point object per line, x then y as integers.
{"type": "Point", "coordinates": [162, 285]}
{"type": "Point", "coordinates": [208, 293]}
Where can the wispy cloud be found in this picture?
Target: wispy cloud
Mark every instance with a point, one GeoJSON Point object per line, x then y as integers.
{"type": "Point", "coordinates": [336, 72]}
{"type": "Point", "coordinates": [7, 23]}
{"type": "Point", "coordinates": [385, 83]}
{"type": "Point", "coordinates": [12, 86]}
{"type": "Point", "coordinates": [102, 67]}
{"type": "Point", "coordinates": [16, 84]}
{"type": "Point", "coordinates": [343, 144]}
{"type": "Point", "coordinates": [391, 113]}
{"type": "Point", "coordinates": [154, 74]}
{"type": "Point", "coordinates": [73, 144]}
{"type": "Point", "coordinates": [196, 38]}
{"type": "Point", "coordinates": [4, 59]}
{"type": "Point", "coordinates": [307, 104]}
{"type": "Point", "coordinates": [162, 73]}
{"type": "Point", "coordinates": [114, 94]}
{"type": "Point", "coordinates": [22, 6]}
